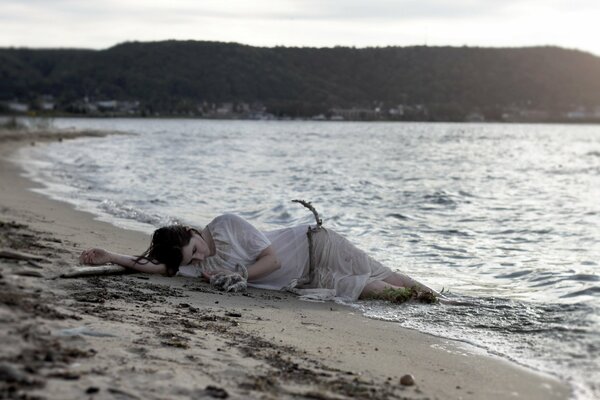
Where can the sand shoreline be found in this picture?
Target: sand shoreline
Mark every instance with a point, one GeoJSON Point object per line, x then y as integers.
{"type": "Point", "coordinates": [141, 336]}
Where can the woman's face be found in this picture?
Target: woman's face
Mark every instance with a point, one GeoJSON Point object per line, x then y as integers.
{"type": "Point", "coordinates": [195, 251]}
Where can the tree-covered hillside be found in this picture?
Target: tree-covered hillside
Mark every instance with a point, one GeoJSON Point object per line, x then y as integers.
{"type": "Point", "coordinates": [441, 83]}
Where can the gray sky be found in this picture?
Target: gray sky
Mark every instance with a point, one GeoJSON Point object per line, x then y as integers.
{"type": "Point", "coordinates": [318, 23]}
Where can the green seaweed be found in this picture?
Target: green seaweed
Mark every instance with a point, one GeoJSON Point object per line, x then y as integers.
{"type": "Point", "coordinates": [404, 294]}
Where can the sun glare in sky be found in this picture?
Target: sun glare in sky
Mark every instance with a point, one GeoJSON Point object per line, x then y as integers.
{"type": "Point", "coordinates": [512, 23]}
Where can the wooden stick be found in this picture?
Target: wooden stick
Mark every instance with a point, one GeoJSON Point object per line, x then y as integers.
{"type": "Point", "coordinates": [309, 235]}
{"type": "Point", "coordinates": [26, 272]}
{"type": "Point", "coordinates": [35, 264]}
{"type": "Point", "coordinates": [309, 205]}
{"type": "Point", "coordinates": [19, 255]}
{"type": "Point", "coordinates": [80, 272]}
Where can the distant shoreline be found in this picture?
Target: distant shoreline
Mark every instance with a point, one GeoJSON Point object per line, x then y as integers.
{"type": "Point", "coordinates": [229, 80]}
{"type": "Point", "coordinates": [75, 116]}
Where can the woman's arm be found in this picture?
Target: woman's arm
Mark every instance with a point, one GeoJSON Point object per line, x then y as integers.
{"type": "Point", "coordinates": [100, 256]}
{"type": "Point", "coordinates": [266, 263]}
{"type": "Point", "coordinates": [235, 281]}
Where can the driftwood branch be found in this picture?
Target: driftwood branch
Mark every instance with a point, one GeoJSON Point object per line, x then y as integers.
{"type": "Point", "coordinates": [19, 255]}
{"type": "Point", "coordinates": [26, 272]}
{"type": "Point", "coordinates": [80, 272]}
{"type": "Point", "coordinates": [309, 205]}
{"type": "Point", "coordinates": [311, 231]}
{"type": "Point", "coordinates": [35, 264]}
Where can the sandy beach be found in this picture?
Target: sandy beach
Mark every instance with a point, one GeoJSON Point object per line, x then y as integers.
{"type": "Point", "coordinates": [137, 336]}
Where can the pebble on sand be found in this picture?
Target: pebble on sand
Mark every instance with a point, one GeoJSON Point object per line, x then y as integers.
{"type": "Point", "coordinates": [407, 380]}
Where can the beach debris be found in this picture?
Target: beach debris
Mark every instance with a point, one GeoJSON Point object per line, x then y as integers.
{"type": "Point", "coordinates": [95, 271]}
{"type": "Point", "coordinates": [34, 264]}
{"type": "Point", "coordinates": [402, 295]}
{"type": "Point", "coordinates": [121, 394]}
{"type": "Point", "coordinates": [176, 342]}
{"type": "Point", "coordinates": [233, 314]}
{"type": "Point", "coordinates": [315, 395]}
{"type": "Point", "coordinates": [260, 383]}
{"type": "Point", "coordinates": [92, 390]}
{"type": "Point", "coordinates": [26, 272]}
{"type": "Point", "coordinates": [64, 374]}
{"type": "Point", "coordinates": [83, 330]}
{"type": "Point", "coordinates": [407, 380]}
{"type": "Point", "coordinates": [309, 205]}
{"type": "Point", "coordinates": [216, 392]}
{"type": "Point", "coordinates": [309, 234]}
{"type": "Point", "coordinates": [19, 255]}
{"type": "Point", "coordinates": [9, 373]}
{"type": "Point", "coordinates": [171, 339]}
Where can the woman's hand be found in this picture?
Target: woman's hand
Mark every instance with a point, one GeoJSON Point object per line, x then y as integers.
{"type": "Point", "coordinates": [207, 275]}
{"type": "Point", "coordinates": [95, 256]}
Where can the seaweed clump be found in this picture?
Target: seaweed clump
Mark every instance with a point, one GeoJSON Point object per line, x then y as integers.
{"type": "Point", "coordinates": [404, 294]}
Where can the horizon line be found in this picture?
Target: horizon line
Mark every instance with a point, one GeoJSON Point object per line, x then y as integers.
{"type": "Point", "coordinates": [26, 47]}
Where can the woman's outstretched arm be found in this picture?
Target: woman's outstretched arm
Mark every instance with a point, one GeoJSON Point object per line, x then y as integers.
{"type": "Point", "coordinates": [98, 256]}
{"type": "Point", "coordinates": [266, 263]}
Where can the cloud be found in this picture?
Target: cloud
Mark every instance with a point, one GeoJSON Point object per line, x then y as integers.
{"type": "Point", "coordinates": [287, 9]}
{"type": "Point", "coordinates": [53, 23]}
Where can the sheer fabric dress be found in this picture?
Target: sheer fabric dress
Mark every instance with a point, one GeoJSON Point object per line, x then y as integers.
{"type": "Point", "coordinates": [341, 270]}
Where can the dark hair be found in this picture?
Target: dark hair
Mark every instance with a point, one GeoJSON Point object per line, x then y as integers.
{"type": "Point", "coordinates": [165, 248]}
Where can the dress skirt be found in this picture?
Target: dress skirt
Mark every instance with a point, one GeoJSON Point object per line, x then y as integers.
{"type": "Point", "coordinates": [340, 270]}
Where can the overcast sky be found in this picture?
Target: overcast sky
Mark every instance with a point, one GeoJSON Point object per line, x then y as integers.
{"type": "Point", "coordinates": [317, 23]}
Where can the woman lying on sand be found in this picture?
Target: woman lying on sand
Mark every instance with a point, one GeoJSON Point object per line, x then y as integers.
{"type": "Point", "coordinates": [311, 261]}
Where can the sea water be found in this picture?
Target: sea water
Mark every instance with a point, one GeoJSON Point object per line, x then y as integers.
{"type": "Point", "coordinates": [504, 216]}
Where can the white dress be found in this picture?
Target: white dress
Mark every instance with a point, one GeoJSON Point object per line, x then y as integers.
{"type": "Point", "coordinates": [341, 270]}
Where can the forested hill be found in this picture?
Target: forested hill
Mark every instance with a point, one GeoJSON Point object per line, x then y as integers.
{"type": "Point", "coordinates": [184, 76]}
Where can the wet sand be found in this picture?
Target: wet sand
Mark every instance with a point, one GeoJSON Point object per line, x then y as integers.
{"type": "Point", "coordinates": [140, 336]}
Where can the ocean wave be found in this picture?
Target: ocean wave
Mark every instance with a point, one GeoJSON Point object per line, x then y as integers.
{"type": "Point", "coordinates": [591, 291]}
{"type": "Point", "coordinates": [121, 210]}
{"type": "Point", "coordinates": [399, 216]}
